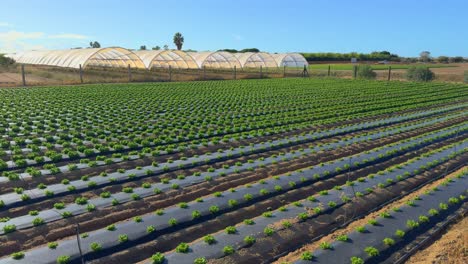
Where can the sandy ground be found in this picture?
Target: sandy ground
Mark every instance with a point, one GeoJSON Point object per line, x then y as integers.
{"type": "Point", "coordinates": [450, 248]}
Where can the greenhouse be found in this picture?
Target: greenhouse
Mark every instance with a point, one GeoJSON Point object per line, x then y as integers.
{"type": "Point", "coordinates": [290, 60]}
{"type": "Point", "coordinates": [147, 59]}
{"type": "Point", "coordinates": [164, 58]}
{"type": "Point", "coordinates": [73, 58]}
{"type": "Point", "coordinates": [217, 60]}
{"type": "Point", "coordinates": [255, 60]}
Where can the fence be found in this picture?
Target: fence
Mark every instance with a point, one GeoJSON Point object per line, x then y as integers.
{"type": "Point", "coordinates": [33, 75]}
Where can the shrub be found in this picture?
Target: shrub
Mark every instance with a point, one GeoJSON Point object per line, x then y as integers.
{"type": "Point", "coordinates": [371, 251]}
{"type": "Point", "coordinates": [342, 238]}
{"type": "Point", "coordinates": [228, 250]}
{"type": "Point", "coordinates": [95, 246]}
{"type": "Point", "coordinates": [231, 230]}
{"type": "Point", "coordinates": [52, 245]}
{"type": "Point", "coordinates": [172, 222]}
{"type": "Point", "coordinates": [419, 74]}
{"type": "Point", "coordinates": [200, 261]}
{"type": "Point", "coordinates": [325, 245]}
{"type": "Point", "coordinates": [388, 241]}
{"type": "Point", "coordinates": [268, 231]}
{"type": "Point", "coordinates": [400, 233]}
{"type": "Point", "coordinates": [63, 260]}
{"type": "Point", "coordinates": [249, 222]}
{"type": "Point", "coordinates": [38, 221]}
{"type": "Point", "coordinates": [365, 72]}
{"type": "Point", "coordinates": [150, 229]}
{"type": "Point", "coordinates": [9, 228]}
{"type": "Point", "coordinates": [158, 258]}
{"type": "Point", "coordinates": [17, 255]}
{"type": "Point", "coordinates": [357, 260]}
{"type": "Point", "coordinates": [214, 209]}
{"type": "Point", "coordinates": [412, 224]}
{"type": "Point", "coordinates": [123, 238]}
{"type": "Point", "coordinates": [249, 240]}
{"type": "Point", "coordinates": [182, 248]}
{"type": "Point", "coordinates": [307, 256]}
{"type": "Point", "coordinates": [209, 239]}
{"type": "Point", "coordinates": [361, 229]}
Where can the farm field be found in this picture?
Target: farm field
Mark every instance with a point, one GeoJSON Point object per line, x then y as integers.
{"type": "Point", "coordinates": [349, 66]}
{"type": "Point", "coordinates": [243, 171]}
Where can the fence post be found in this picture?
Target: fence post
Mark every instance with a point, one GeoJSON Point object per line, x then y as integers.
{"type": "Point", "coordinates": [81, 74]}
{"type": "Point", "coordinates": [170, 73]}
{"type": "Point", "coordinates": [261, 73]}
{"type": "Point", "coordinates": [129, 74]}
{"type": "Point", "coordinates": [328, 70]}
{"type": "Point", "coordinates": [23, 76]}
{"type": "Point", "coordinates": [389, 73]}
{"type": "Point", "coordinates": [235, 72]}
{"type": "Point", "coordinates": [204, 72]}
{"type": "Point", "coordinates": [355, 71]}
{"type": "Point", "coordinates": [284, 71]}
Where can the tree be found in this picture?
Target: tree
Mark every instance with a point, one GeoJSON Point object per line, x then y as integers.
{"type": "Point", "coordinates": [6, 60]}
{"type": "Point", "coordinates": [457, 59]}
{"type": "Point", "coordinates": [94, 44]}
{"type": "Point", "coordinates": [425, 56]}
{"type": "Point", "coordinates": [178, 40]}
{"type": "Point", "coordinates": [156, 48]}
{"type": "Point", "coordinates": [443, 59]}
{"type": "Point", "coordinates": [250, 50]}
{"type": "Point", "coordinates": [419, 74]}
{"type": "Point", "coordinates": [166, 47]}
{"type": "Point", "coordinates": [143, 47]}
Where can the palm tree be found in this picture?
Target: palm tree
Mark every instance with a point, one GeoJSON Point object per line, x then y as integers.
{"type": "Point", "coordinates": [178, 40]}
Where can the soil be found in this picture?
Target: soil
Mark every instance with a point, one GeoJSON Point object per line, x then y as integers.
{"type": "Point", "coordinates": [450, 248]}
{"type": "Point", "coordinates": [311, 247]}
{"type": "Point", "coordinates": [28, 238]}
{"type": "Point", "coordinates": [269, 248]}
{"type": "Point", "coordinates": [169, 241]}
{"type": "Point", "coordinates": [48, 203]}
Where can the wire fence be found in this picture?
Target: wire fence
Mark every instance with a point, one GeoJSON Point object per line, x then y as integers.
{"type": "Point", "coordinates": [36, 75]}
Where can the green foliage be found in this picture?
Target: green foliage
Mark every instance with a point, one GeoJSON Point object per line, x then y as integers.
{"type": "Point", "coordinates": [330, 56]}
{"type": "Point", "coordinates": [419, 74]}
{"type": "Point", "coordinates": [6, 61]}
{"type": "Point", "coordinates": [182, 248]}
{"type": "Point", "coordinates": [365, 71]}
{"type": "Point", "coordinates": [158, 258]}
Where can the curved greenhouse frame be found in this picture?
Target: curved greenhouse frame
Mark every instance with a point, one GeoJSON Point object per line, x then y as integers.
{"type": "Point", "coordinates": [216, 59]}
{"type": "Point", "coordinates": [101, 57]}
{"type": "Point", "coordinates": [290, 60]}
{"type": "Point", "coordinates": [164, 58]}
{"type": "Point", "coordinates": [255, 60]}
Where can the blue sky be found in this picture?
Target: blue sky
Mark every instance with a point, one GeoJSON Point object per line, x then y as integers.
{"type": "Point", "coordinates": [405, 27]}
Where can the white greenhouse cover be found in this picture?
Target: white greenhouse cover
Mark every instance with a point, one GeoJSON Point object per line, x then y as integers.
{"type": "Point", "coordinates": [290, 60]}
{"type": "Point", "coordinates": [73, 58]}
{"type": "Point", "coordinates": [164, 58]}
{"type": "Point", "coordinates": [256, 59]}
{"type": "Point", "coordinates": [120, 57]}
